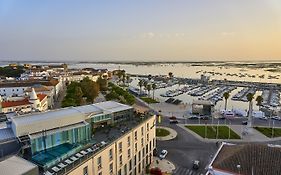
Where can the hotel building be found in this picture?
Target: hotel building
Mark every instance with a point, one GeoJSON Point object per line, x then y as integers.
{"type": "Point", "coordinates": [98, 139]}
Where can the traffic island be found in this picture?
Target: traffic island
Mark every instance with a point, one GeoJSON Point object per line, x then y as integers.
{"type": "Point", "coordinates": [269, 132]}
{"type": "Point", "coordinates": [213, 131]}
{"type": "Point", "coordinates": [165, 133]}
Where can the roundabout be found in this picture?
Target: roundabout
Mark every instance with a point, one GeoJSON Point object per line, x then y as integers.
{"type": "Point", "coordinates": [165, 133]}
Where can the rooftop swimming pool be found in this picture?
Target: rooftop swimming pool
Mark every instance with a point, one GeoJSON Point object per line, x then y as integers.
{"type": "Point", "coordinates": [53, 155]}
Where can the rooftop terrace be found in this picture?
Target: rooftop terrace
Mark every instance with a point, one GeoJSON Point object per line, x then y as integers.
{"type": "Point", "coordinates": [101, 139]}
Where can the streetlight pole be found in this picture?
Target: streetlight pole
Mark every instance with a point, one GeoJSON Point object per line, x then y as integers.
{"type": "Point", "coordinates": [272, 133]}
{"type": "Point", "coordinates": [229, 129]}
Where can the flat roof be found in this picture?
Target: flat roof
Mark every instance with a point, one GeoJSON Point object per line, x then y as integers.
{"type": "Point", "coordinates": [16, 165]}
{"type": "Point", "coordinates": [112, 106]}
{"type": "Point", "coordinates": [36, 122]}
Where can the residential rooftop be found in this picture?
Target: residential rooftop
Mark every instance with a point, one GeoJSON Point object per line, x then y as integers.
{"type": "Point", "coordinates": [251, 158]}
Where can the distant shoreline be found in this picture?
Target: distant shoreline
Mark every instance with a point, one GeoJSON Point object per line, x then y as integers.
{"type": "Point", "coordinates": [240, 64]}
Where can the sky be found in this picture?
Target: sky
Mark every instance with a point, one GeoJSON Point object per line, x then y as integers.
{"type": "Point", "coordinates": [146, 30]}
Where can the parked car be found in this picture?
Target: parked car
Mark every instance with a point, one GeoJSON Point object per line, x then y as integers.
{"type": "Point", "coordinates": [263, 118]}
{"type": "Point", "coordinates": [193, 117]}
{"type": "Point", "coordinates": [163, 154]}
{"type": "Point", "coordinates": [174, 121]}
{"type": "Point", "coordinates": [276, 118]}
{"type": "Point", "coordinates": [244, 122]}
{"type": "Point", "coordinates": [196, 164]}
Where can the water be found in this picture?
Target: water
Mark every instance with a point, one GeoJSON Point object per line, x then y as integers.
{"type": "Point", "coordinates": [189, 71]}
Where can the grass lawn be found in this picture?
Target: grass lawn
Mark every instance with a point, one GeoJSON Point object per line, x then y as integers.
{"type": "Point", "coordinates": [268, 131]}
{"type": "Point", "coordinates": [160, 132]}
{"type": "Point", "coordinates": [212, 131]}
{"type": "Point", "coordinates": [149, 100]}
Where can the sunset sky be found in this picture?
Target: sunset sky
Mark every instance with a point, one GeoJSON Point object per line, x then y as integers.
{"type": "Point", "coordinates": [140, 30]}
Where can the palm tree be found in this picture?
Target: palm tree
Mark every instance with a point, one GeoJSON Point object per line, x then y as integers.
{"type": "Point", "coordinates": [128, 79]}
{"type": "Point", "coordinates": [140, 84]}
{"type": "Point", "coordinates": [149, 77]}
{"type": "Point", "coordinates": [148, 87]}
{"type": "Point", "coordinates": [259, 100]}
{"type": "Point", "coordinates": [226, 96]}
{"type": "Point", "coordinates": [170, 74]}
{"type": "Point", "coordinates": [145, 84]}
{"type": "Point", "coordinates": [250, 98]}
{"type": "Point", "coordinates": [153, 87]}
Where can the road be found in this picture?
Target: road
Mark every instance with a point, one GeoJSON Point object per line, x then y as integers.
{"type": "Point", "coordinates": [184, 149]}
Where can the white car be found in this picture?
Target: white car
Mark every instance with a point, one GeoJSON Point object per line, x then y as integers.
{"type": "Point", "coordinates": [163, 154]}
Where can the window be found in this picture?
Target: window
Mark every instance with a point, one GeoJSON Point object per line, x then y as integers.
{"type": "Point", "coordinates": [146, 148]}
{"type": "Point", "coordinates": [147, 136]}
{"type": "Point", "coordinates": [139, 167]}
{"type": "Point", "coordinates": [139, 155]}
{"type": "Point", "coordinates": [143, 153]}
{"type": "Point", "coordinates": [147, 126]}
{"type": "Point", "coordinates": [99, 162]}
{"type": "Point", "coordinates": [142, 131]}
{"type": "Point", "coordinates": [129, 153]}
{"type": "Point", "coordinates": [150, 146]}
{"type": "Point", "coordinates": [142, 142]}
{"type": "Point", "coordinates": [110, 154]}
{"type": "Point", "coordinates": [100, 173]}
{"type": "Point", "coordinates": [120, 147]}
{"type": "Point", "coordinates": [125, 169]}
{"type": "Point", "coordinates": [111, 168]}
{"type": "Point", "coordinates": [136, 147]}
{"type": "Point", "coordinates": [130, 165]}
{"type": "Point", "coordinates": [120, 159]}
{"type": "Point", "coordinates": [119, 172]}
{"type": "Point", "coordinates": [136, 135]}
{"type": "Point", "coordinates": [135, 160]}
{"type": "Point", "coordinates": [153, 143]}
{"type": "Point", "coordinates": [129, 141]}
{"type": "Point", "coordinates": [85, 170]}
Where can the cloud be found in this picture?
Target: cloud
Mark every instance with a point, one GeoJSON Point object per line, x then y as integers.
{"type": "Point", "coordinates": [228, 33]}
{"type": "Point", "coordinates": [149, 35]}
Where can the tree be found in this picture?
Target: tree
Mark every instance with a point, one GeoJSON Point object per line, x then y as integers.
{"type": "Point", "coordinates": [250, 98]}
{"type": "Point", "coordinates": [149, 77]}
{"type": "Point", "coordinates": [140, 84]}
{"type": "Point", "coordinates": [226, 96]}
{"type": "Point", "coordinates": [148, 87]}
{"type": "Point", "coordinates": [102, 81]}
{"type": "Point", "coordinates": [145, 84]}
{"type": "Point", "coordinates": [128, 79]}
{"type": "Point", "coordinates": [78, 94]}
{"type": "Point", "coordinates": [170, 74]}
{"type": "Point", "coordinates": [153, 87]}
{"type": "Point", "coordinates": [123, 73]}
{"type": "Point", "coordinates": [259, 100]}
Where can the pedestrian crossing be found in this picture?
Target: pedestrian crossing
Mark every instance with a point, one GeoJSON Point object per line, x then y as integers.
{"type": "Point", "coordinates": [186, 171]}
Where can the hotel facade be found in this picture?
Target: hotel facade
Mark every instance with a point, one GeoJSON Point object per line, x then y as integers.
{"type": "Point", "coordinates": [98, 139]}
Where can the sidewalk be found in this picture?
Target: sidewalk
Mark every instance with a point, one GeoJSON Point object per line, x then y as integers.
{"type": "Point", "coordinates": [165, 165]}
{"type": "Point", "coordinates": [173, 134]}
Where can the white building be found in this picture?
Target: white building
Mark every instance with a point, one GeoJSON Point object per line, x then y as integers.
{"type": "Point", "coordinates": [25, 104]}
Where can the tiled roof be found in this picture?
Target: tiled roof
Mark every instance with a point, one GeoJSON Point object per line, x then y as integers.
{"type": "Point", "coordinates": [40, 89]}
{"type": "Point", "coordinates": [41, 96]}
{"type": "Point", "coordinates": [6, 104]}
{"type": "Point", "coordinates": [253, 159]}
{"type": "Point", "coordinates": [30, 83]}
